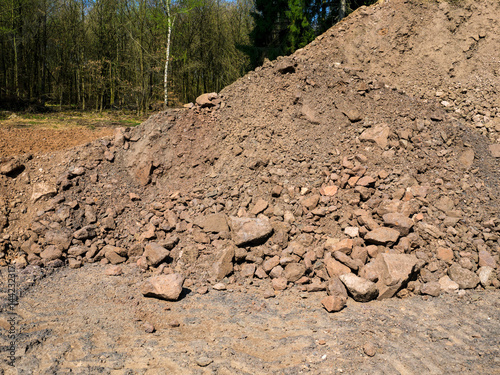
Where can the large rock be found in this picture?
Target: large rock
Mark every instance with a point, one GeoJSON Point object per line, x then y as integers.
{"type": "Point", "coordinates": [465, 278]}
{"type": "Point", "coordinates": [207, 100]}
{"type": "Point", "coordinates": [394, 271]}
{"type": "Point", "coordinates": [249, 231]}
{"type": "Point", "coordinates": [155, 253]}
{"type": "Point", "coordinates": [215, 223]}
{"type": "Point", "coordinates": [378, 134]}
{"type": "Point", "coordinates": [43, 190]}
{"type": "Point", "coordinates": [224, 264]}
{"type": "Point", "coordinates": [398, 221]}
{"type": "Point", "coordinates": [362, 290]}
{"type": "Point", "coordinates": [167, 287]}
{"type": "Point", "coordinates": [382, 236]}
{"type": "Point", "coordinates": [294, 271]}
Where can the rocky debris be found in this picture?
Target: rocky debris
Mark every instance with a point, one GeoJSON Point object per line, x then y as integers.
{"type": "Point", "coordinates": [168, 287]}
{"type": "Point", "coordinates": [384, 186]}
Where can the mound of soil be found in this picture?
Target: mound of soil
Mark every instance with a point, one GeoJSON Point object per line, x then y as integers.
{"type": "Point", "coordinates": [370, 156]}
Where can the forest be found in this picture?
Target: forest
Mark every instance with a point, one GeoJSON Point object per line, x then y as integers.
{"type": "Point", "coordinates": [145, 54]}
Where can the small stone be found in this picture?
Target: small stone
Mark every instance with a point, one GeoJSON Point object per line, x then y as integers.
{"type": "Point", "coordinates": [448, 285]}
{"type": "Point", "coordinates": [279, 283]}
{"type": "Point", "coordinates": [74, 263]}
{"type": "Point", "coordinates": [248, 270]}
{"type": "Point", "coordinates": [445, 254]}
{"type": "Point", "coordinates": [382, 236]}
{"type": "Point", "coordinates": [204, 361]}
{"type": "Point", "coordinates": [219, 286]}
{"type": "Point", "coordinates": [398, 221]}
{"type": "Point", "coordinates": [378, 134]}
{"type": "Point", "coordinates": [247, 231]}
{"type": "Point", "coordinates": [224, 264]}
{"type": "Point", "coordinates": [432, 289]}
{"type": "Point", "coordinates": [43, 190]}
{"type": "Point", "coordinates": [167, 287]}
{"type": "Point", "coordinates": [352, 231]}
{"type": "Point", "coordinates": [334, 303]}
{"type": "Point", "coordinates": [344, 246]}
{"type": "Point", "coordinates": [259, 206]}
{"type": "Point", "coordinates": [486, 260]}
{"type": "Point", "coordinates": [369, 349]}
{"type": "Point", "coordinates": [465, 279]}
{"type": "Point", "coordinates": [155, 253]}
{"type": "Point", "coordinates": [485, 274]}
{"type": "Point", "coordinates": [311, 202]}
{"type": "Point", "coordinates": [51, 253]}
{"type": "Point", "coordinates": [202, 290]}
{"type": "Point", "coordinates": [269, 293]}
{"type": "Point", "coordinates": [329, 191]}
{"type": "Point", "coordinates": [294, 271]}
{"type": "Point", "coordinates": [362, 290]}
{"type": "Point", "coordinates": [148, 327]}
{"type": "Point", "coordinates": [215, 223]}
{"type": "Point", "coordinates": [466, 160]}
{"type": "Point", "coordinates": [495, 150]}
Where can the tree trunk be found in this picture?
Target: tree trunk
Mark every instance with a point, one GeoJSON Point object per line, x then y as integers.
{"type": "Point", "coordinates": [342, 10]}
{"type": "Point", "coordinates": [170, 21]}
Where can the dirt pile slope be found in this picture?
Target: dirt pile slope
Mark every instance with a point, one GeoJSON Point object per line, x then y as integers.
{"type": "Point", "coordinates": [309, 170]}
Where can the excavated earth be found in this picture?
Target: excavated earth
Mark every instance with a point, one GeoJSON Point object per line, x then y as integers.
{"type": "Point", "coordinates": [363, 167]}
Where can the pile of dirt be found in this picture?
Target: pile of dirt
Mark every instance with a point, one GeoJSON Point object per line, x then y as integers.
{"type": "Point", "coordinates": [316, 171]}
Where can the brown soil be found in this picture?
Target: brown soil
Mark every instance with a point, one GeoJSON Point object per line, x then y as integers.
{"type": "Point", "coordinates": [276, 139]}
{"type": "Point", "coordinates": [16, 141]}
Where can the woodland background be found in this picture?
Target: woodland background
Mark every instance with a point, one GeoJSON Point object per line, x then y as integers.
{"type": "Point", "coordinates": [105, 54]}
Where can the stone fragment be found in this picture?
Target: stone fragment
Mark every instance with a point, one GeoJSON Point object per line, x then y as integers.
{"type": "Point", "coordinates": [114, 258]}
{"type": "Point", "coordinates": [74, 263]}
{"type": "Point", "coordinates": [362, 290]}
{"type": "Point", "coordinates": [353, 115]}
{"type": "Point", "coordinates": [486, 260]}
{"type": "Point", "coordinates": [495, 150]}
{"type": "Point", "coordinates": [448, 285]}
{"type": "Point", "coordinates": [344, 246]}
{"type": "Point", "coordinates": [329, 191]}
{"type": "Point", "coordinates": [279, 283]}
{"type": "Point", "coordinates": [336, 287]}
{"type": "Point", "coordinates": [249, 231]}
{"type": "Point", "coordinates": [334, 267]}
{"type": "Point", "coordinates": [43, 190]}
{"type": "Point", "coordinates": [215, 223]}
{"type": "Point", "coordinates": [155, 254]}
{"type": "Point", "coordinates": [347, 260]}
{"type": "Point", "coordinates": [444, 253]}
{"type": "Point", "coordinates": [466, 160]}
{"type": "Point", "coordinates": [248, 270]}
{"type": "Point", "coordinates": [369, 349]}
{"type": "Point", "coordinates": [224, 264]}
{"type": "Point", "coordinates": [352, 231]}
{"type": "Point", "coordinates": [207, 100]}
{"type": "Point", "coordinates": [432, 288]}
{"type": "Point", "coordinates": [60, 238]}
{"type": "Point", "coordinates": [219, 286]}
{"type": "Point", "coordinates": [270, 263]}
{"type": "Point", "coordinates": [168, 287]}
{"type": "Point", "coordinates": [465, 278]}
{"type": "Point", "coordinates": [311, 201]}
{"type": "Point", "coordinates": [259, 206]}
{"type": "Point", "coordinates": [382, 236]}
{"type": "Point", "coordinates": [486, 275]}
{"type": "Point", "coordinates": [85, 233]}
{"type": "Point", "coordinates": [11, 167]}
{"type": "Point", "coordinates": [334, 303]}
{"type": "Point", "coordinates": [366, 181]}
{"type": "Point", "coordinates": [51, 253]}
{"type": "Point", "coordinates": [394, 271]}
{"type": "Point", "coordinates": [76, 251]}
{"type": "Point", "coordinates": [378, 134]}
{"type": "Point", "coordinates": [294, 271]}
{"type": "Point", "coordinates": [398, 221]}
